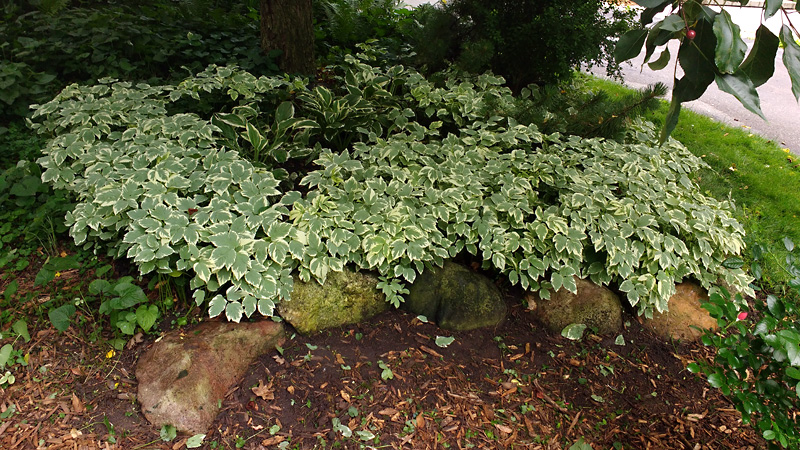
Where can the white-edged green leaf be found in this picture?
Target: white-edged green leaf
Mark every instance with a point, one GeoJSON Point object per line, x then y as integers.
{"type": "Point", "coordinates": [573, 331]}
{"type": "Point", "coordinates": [234, 311]}
{"type": "Point", "coordinates": [444, 341]}
{"type": "Point", "coordinates": [168, 433]}
{"type": "Point", "coordinates": [216, 306]}
{"type": "Point", "coordinates": [195, 441]}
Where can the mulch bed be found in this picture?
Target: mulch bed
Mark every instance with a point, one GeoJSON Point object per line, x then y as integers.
{"type": "Point", "coordinates": [391, 386]}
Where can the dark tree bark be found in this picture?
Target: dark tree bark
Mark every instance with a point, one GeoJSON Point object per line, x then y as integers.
{"type": "Point", "coordinates": [287, 25]}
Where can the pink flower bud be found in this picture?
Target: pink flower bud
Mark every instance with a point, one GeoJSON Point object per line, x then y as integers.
{"type": "Point", "coordinates": [742, 315]}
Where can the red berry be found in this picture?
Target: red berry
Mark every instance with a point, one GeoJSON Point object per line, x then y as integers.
{"type": "Point", "coordinates": [691, 34]}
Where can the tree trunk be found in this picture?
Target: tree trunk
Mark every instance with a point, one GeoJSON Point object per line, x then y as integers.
{"type": "Point", "coordinates": [287, 25]}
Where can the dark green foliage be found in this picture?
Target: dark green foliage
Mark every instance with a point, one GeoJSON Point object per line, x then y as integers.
{"type": "Point", "coordinates": [152, 41]}
{"type": "Point", "coordinates": [570, 108]}
{"type": "Point", "coordinates": [31, 212]}
{"type": "Point", "coordinates": [758, 355]}
{"type": "Point", "coordinates": [525, 41]}
{"type": "Point", "coordinates": [341, 24]}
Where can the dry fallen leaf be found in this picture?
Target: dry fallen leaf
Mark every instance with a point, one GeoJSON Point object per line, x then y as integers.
{"type": "Point", "coordinates": [135, 340]}
{"type": "Point", "coordinates": [264, 392]}
{"type": "Point", "coordinates": [503, 428]}
{"type": "Point", "coordinates": [77, 405]}
{"type": "Point", "coordinates": [387, 412]}
{"type": "Point", "coordinates": [345, 396]}
{"type": "Point", "coordinates": [274, 440]}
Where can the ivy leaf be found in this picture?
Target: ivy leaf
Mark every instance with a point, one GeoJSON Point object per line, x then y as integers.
{"type": "Point", "coordinates": [760, 63]}
{"type": "Point", "coordinates": [629, 45]}
{"type": "Point", "coordinates": [129, 295]}
{"type": "Point", "coordinates": [21, 328]}
{"type": "Point", "coordinates": [791, 58]}
{"type": "Point", "coordinates": [730, 46]}
{"type": "Point", "coordinates": [573, 331]}
{"type": "Point", "coordinates": [743, 89]}
{"type": "Point", "coordinates": [146, 316]}
{"type": "Point", "coordinates": [60, 317]}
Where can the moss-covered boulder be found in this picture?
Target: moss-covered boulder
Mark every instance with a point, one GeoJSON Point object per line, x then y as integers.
{"type": "Point", "coordinates": [594, 306]}
{"type": "Point", "coordinates": [456, 298]}
{"type": "Point", "coordinates": [346, 297]}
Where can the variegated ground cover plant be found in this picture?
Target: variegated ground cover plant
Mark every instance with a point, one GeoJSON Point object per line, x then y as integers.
{"type": "Point", "coordinates": [384, 170]}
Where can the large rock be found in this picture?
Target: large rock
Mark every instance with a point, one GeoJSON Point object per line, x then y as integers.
{"type": "Point", "coordinates": [456, 298]}
{"type": "Point", "coordinates": [594, 306]}
{"type": "Point", "coordinates": [684, 312]}
{"type": "Point", "coordinates": [184, 375]}
{"type": "Point", "coordinates": [346, 297]}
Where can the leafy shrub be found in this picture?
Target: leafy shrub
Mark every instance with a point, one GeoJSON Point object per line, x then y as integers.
{"type": "Point", "coordinates": [525, 41]}
{"type": "Point", "coordinates": [428, 175]}
{"type": "Point", "coordinates": [568, 108]}
{"type": "Point", "coordinates": [757, 362]}
{"type": "Point", "coordinates": [19, 83]}
{"type": "Point", "coordinates": [342, 24]}
{"type": "Point", "coordinates": [151, 41]}
{"type": "Point", "coordinates": [31, 212]}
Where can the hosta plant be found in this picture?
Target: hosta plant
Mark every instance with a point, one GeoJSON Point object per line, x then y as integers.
{"type": "Point", "coordinates": [382, 170]}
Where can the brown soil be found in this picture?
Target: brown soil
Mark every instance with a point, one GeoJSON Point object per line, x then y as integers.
{"type": "Point", "coordinates": [389, 383]}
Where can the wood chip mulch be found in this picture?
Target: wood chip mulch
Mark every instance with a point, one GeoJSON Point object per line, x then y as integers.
{"type": "Point", "coordinates": [386, 384]}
